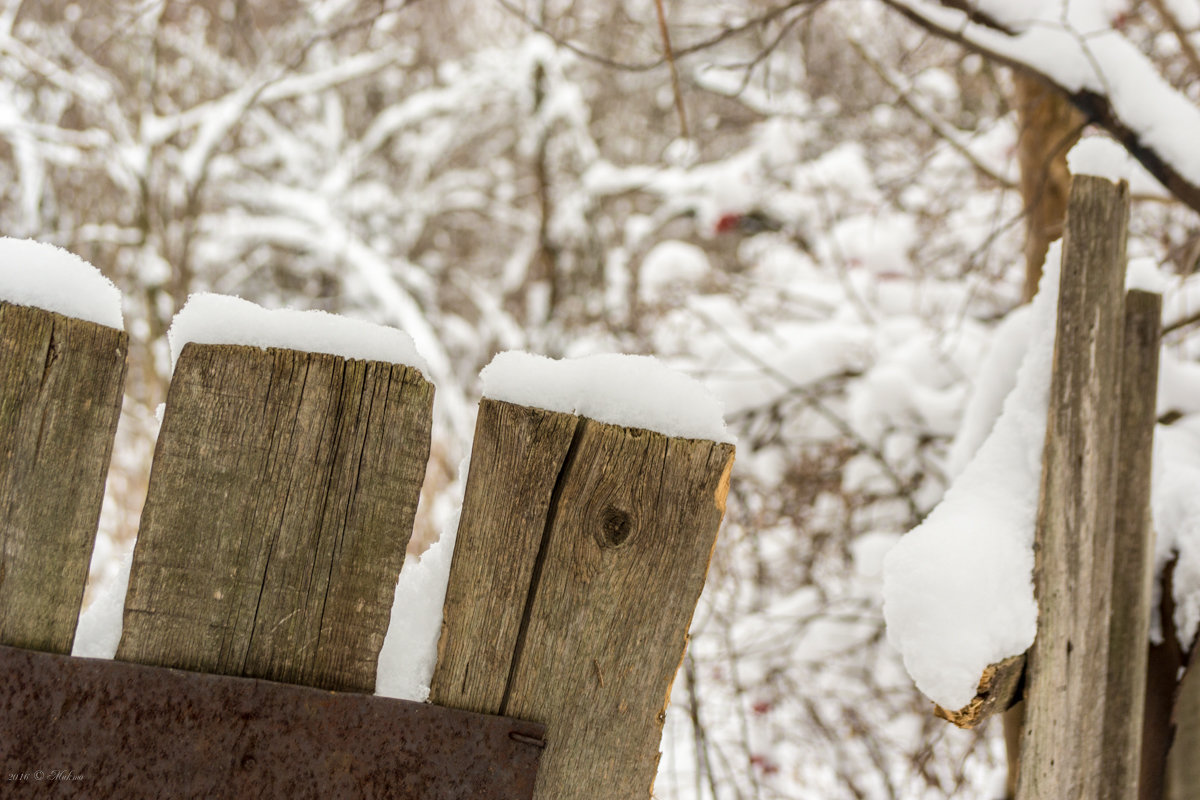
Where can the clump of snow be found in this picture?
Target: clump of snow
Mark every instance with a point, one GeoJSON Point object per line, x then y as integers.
{"type": "Point", "coordinates": [409, 651]}
{"type": "Point", "coordinates": [633, 391]}
{"type": "Point", "coordinates": [100, 622]}
{"type": "Point", "coordinates": [994, 380]}
{"type": "Point", "coordinates": [1175, 505]}
{"type": "Point", "coordinates": [670, 264]}
{"type": "Point", "coordinates": [1143, 274]}
{"type": "Point", "coordinates": [221, 319]}
{"type": "Point", "coordinates": [1105, 158]}
{"type": "Point", "coordinates": [958, 589]}
{"type": "Point", "coordinates": [45, 276]}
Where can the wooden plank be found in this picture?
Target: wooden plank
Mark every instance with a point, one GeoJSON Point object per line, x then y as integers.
{"type": "Point", "coordinates": [1133, 549]}
{"type": "Point", "coordinates": [61, 381]}
{"type": "Point", "coordinates": [1183, 760]}
{"type": "Point", "coordinates": [1065, 705]}
{"type": "Point", "coordinates": [516, 459]}
{"type": "Point", "coordinates": [630, 522]}
{"type": "Point", "coordinates": [281, 498]}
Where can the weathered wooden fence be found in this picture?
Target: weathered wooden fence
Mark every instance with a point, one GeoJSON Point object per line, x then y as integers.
{"type": "Point", "coordinates": [1093, 707]}
{"type": "Point", "coordinates": [281, 499]}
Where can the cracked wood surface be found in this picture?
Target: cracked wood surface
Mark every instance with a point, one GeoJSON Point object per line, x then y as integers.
{"type": "Point", "coordinates": [61, 381]}
{"type": "Point", "coordinates": [282, 497]}
{"type": "Point", "coordinates": [581, 553]}
{"type": "Point", "coordinates": [1062, 744]}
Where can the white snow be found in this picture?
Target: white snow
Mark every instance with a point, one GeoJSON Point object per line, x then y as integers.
{"type": "Point", "coordinates": [409, 651]}
{"type": "Point", "coordinates": [668, 265]}
{"type": "Point", "coordinates": [45, 276]}
{"type": "Point", "coordinates": [1105, 158]}
{"type": "Point", "coordinates": [1175, 504]}
{"type": "Point", "coordinates": [222, 319]}
{"type": "Point", "coordinates": [633, 391]}
{"type": "Point", "coordinates": [1144, 275]}
{"type": "Point", "coordinates": [100, 622]}
{"type": "Point", "coordinates": [958, 589]}
{"type": "Point", "coordinates": [994, 380]}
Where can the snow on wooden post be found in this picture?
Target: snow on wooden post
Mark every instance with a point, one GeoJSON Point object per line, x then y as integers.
{"type": "Point", "coordinates": [281, 499]}
{"type": "Point", "coordinates": [1063, 740]}
{"type": "Point", "coordinates": [581, 553]}
{"type": "Point", "coordinates": [61, 381]}
{"type": "Point", "coordinates": [1133, 549]}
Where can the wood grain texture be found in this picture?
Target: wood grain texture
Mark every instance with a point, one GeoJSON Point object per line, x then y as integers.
{"type": "Point", "coordinates": [61, 381]}
{"type": "Point", "coordinates": [1062, 743]}
{"type": "Point", "coordinates": [1183, 760]}
{"type": "Point", "coordinates": [1133, 550]}
{"type": "Point", "coordinates": [516, 459]}
{"type": "Point", "coordinates": [631, 520]}
{"type": "Point", "coordinates": [281, 499]}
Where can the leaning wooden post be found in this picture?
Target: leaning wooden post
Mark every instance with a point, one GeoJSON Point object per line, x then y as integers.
{"type": "Point", "coordinates": [1062, 745]}
{"type": "Point", "coordinates": [281, 499]}
{"type": "Point", "coordinates": [1133, 549]}
{"type": "Point", "coordinates": [581, 553]}
{"type": "Point", "coordinates": [61, 381]}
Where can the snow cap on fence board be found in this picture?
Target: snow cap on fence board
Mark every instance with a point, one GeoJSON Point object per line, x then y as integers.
{"type": "Point", "coordinates": [958, 589]}
{"type": "Point", "coordinates": [222, 319]}
{"type": "Point", "coordinates": [48, 277]}
{"type": "Point", "coordinates": [632, 391]}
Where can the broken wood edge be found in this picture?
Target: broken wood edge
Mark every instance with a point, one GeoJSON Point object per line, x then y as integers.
{"type": "Point", "coordinates": [1000, 688]}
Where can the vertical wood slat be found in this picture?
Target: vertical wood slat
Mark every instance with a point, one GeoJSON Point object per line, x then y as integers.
{"type": "Point", "coordinates": [1133, 549]}
{"type": "Point", "coordinates": [1183, 761]}
{"type": "Point", "coordinates": [580, 557]}
{"type": "Point", "coordinates": [61, 382]}
{"type": "Point", "coordinates": [1065, 704]}
{"type": "Point", "coordinates": [282, 497]}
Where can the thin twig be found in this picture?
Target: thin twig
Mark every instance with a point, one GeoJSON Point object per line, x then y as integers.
{"type": "Point", "coordinates": [646, 66]}
{"type": "Point", "coordinates": [940, 127]}
{"type": "Point", "coordinates": [665, 33]}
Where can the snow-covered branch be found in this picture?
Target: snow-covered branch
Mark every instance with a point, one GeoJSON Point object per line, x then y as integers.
{"type": "Point", "coordinates": [1071, 45]}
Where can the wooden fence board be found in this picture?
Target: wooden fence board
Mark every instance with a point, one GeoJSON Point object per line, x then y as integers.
{"type": "Point", "coordinates": [1133, 549]}
{"type": "Point", "coordinates": [632, 518]}
{"type": "Point", "coordinates": [61, 381]}
{"type": "Point", "coordinates": [281, 499]}
{"type": "Point", "coordinates": [1062, 743]}
{"type": "Point", "coordinates": [516, 459]}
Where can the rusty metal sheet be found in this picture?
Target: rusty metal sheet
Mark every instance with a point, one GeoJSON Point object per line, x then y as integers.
{"type": "Point", "coordinates": [92, 728]}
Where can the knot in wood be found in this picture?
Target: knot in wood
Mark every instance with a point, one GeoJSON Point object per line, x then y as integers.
{"type": "Point", "coordinates": [615, 526]}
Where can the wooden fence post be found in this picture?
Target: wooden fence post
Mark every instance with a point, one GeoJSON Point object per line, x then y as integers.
{"type": "Point", "coordinates": [1133, 549]}
{"type": "Point", "coordinates": [581, 553]}
{"type": "Point", "coordinates": [1065, 701]}
{"type": "Point", "coordinates": [61, 381]}
{"type": "Point", "coordinates": [281, 499]}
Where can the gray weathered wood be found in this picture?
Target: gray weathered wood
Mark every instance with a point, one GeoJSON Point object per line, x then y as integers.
{"type": "Point", "coordinates": [1183, 760]}
{"type": "Point", "coordinates": [516, 459]}
{"type": "Point", "coordinates": [1133, 550]}
{"type": "Point", "coordinates": [1065, 704]}
{"type": "Point", "coordinates": [60, 397]}
{"type": "Point", "coordinates": [623, 522]}
{"type": "Point", "coordinates": [281, 499]}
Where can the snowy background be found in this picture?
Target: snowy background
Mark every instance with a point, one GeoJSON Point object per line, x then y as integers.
{"type": "Point", "coordinates": [831, 251]}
